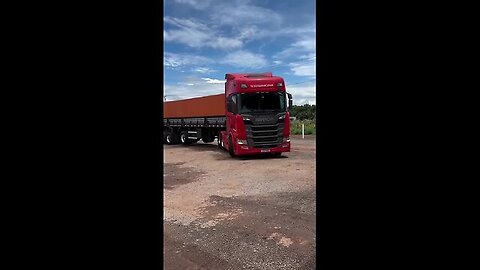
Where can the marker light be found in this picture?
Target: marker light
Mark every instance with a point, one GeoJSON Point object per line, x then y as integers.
{"type": "Point", "coordinates": [243, 85]}
{"type": "Point", "coordinates": [279, 84]}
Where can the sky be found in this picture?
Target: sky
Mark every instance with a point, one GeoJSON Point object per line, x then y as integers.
{"type": "Point", "coordinates": [205, 39]}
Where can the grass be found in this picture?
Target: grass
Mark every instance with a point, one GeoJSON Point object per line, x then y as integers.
{"type": "Point", "coordinates": [296, 127]}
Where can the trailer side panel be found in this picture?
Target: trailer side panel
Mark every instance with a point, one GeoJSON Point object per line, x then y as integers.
{"type": "Point", "coordinates": [208, 106]}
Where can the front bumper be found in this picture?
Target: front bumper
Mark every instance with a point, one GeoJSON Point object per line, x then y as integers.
{"type": "Point", "coordinates": [250, 150]}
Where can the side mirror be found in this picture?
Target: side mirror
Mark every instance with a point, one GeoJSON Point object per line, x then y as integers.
{"type": "Point", "coordinates": [290, 100]}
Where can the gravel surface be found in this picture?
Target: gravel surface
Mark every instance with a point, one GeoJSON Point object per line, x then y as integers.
{"type": "Point", "coordinates": [239, 213]}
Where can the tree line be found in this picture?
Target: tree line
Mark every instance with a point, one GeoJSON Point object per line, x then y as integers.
{"type": "Point", "coordinates": [304, 112]}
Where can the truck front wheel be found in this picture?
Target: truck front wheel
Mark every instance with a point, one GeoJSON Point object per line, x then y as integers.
{"type": "Point", "coordinates": [219, 141]}
{"type": "Point", "coordinates": [230, 147]}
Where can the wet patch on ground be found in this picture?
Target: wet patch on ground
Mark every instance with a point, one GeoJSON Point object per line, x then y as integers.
{"type": "Point", "coordinates": [271, 232]}
{"type": "Point", "coordinates": [174, 175]}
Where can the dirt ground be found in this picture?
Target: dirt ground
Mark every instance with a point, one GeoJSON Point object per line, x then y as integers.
{"type": "Point", "coordinates": [239, 213]}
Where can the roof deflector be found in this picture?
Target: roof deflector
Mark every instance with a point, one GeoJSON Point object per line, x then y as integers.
{"type": "Point", "coordinates": [258, 75]}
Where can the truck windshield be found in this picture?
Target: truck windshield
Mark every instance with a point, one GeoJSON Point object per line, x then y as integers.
{"type": "Point", "coordinates": [261, 102]}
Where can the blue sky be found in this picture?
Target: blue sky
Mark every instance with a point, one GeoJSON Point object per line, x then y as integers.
{"type": "Point", "coordinates": [205, 39]}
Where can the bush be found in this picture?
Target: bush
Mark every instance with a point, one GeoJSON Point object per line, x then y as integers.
{"type": "Point", "coordinates": [304, 112]}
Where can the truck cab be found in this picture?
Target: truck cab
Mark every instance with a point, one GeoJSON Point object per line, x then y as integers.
{"type": "Point", "coordinates": [257, 114]}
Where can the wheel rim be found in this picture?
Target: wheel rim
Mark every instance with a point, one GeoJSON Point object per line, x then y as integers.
{"type": "Point", "coordinates": [169, 139]}
{"type": "Point", "coordinates": [183, 138]}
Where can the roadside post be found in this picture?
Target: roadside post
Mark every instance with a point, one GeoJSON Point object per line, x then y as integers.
{"type": "Point", "coordinates": [303, 131]}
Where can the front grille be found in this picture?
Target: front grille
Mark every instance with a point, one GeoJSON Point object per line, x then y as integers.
{"type": "Point", "coordinates": [264, 135]}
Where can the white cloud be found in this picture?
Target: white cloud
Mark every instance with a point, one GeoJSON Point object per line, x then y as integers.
{"type": "Point", "coordinates": [309, 29]}
{"type": "Point", "coordinates": [244, 15]}
{"type": "Point", "coordinates": [302, 56]}
{"type": "Point", "coordinates": [294, 33]}
{"type": "Point", "coordinates": [185, 23]}
{"type": "Point", "coordinates": [309, 57]}
{"type": "Point", "coordinates": [193, 87]}
{"type": "Point", "coordinates": [244, 21]}
{"type": "Point", "coordinates": [245, 59]}
{"type": "Point", "coordinates": [209, 80]}
{"type": "Point", "coordinates": [224, 43]}
{"type": "Point", "coordinates": [305, 44]}
{"type": "Point", "coordinates": [303, 69]}
{"type": "Point", "coordinates": [196, 4]}
{"type": "Point", "coordinates": [196, 34]}
{"type": "Point", "coordinates": [204, 70]}
{"type": "Point", "coordinates": [247, 32]}
{"type": "Point", "coordinates": [235, 13]}
{"type": "Point", "coordinates": [174, 60]}
{"type": "Point", "coordinates": [303, 93]}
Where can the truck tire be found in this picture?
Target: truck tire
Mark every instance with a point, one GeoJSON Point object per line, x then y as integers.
{"type": "Point", "coordinates": [184, 138]}
{"type": "Point", "coordinates": [219, 141]}
{"type": "Point", "coordinates": [170, 138]}
{"type": "Point", "coordinates": [230, 147]}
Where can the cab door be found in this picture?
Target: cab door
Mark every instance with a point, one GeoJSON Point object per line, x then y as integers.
{"type": "Point", "coordinates": [232, 110]}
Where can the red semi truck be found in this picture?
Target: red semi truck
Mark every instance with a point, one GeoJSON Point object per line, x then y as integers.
{"type": "Point", "coordinates": [251, 117]}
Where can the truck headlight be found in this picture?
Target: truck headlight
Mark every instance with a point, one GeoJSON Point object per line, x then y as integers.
{"type": "Point", "coordinates": [281, 117]}
{"type": "Point", "coordinates": [241, 141]}
{"type": "Point", "coordinates": [246, 118]}
{"type": "Point", "coordinates": [286, 139]}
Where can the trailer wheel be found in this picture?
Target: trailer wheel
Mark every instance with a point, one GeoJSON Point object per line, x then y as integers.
{"type": "Point", "coordinates": [170, 138]}
{"type": "Point", "coordinates": [165, 137]}
{"type": "Point", "coordinates": [184, 138]}
{"type": "Point", "coordinates": [230, 147]}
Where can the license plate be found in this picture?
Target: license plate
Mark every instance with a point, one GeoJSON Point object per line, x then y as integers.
{"type": "Point", "coordinates": [265, 150]}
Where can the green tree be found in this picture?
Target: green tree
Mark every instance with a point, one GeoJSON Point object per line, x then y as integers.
{"type": "Point", "coordinates": [304, 112]}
